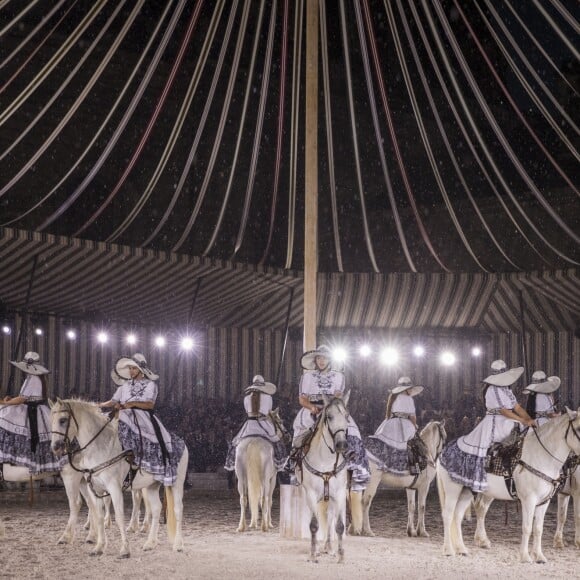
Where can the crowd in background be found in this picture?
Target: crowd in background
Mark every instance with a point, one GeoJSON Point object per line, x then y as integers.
{"type": "Point", "coordinates": [208, 425]}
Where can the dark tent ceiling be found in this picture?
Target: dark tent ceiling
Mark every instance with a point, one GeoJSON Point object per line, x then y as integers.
{"type": "Point", "coordinates": [448, 130]}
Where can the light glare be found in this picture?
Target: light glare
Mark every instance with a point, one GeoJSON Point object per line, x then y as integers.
{"type": "Point", "coordinates": [102, 337]}
{"type": "Point", "coordinates": [339, 354]}
{"type": "Point", "coordinates": [365, 350]}
{"type": "Point", "coordinates": [160, 341]}
{"type": "Point", "coordinates": [187, 343]}
{"type": "Point", "coordinates": [71, 334]}
{"type": "Point", "coordinates": [131, 339]}
{"type": "Point", "coordinates": [476, 351]}
{"type": "Point", "coordinates": [419, 350]}
{"type": "Point", "coordinates": [447, 358]}
{"type": "Point", "coordinates": [389, 356]}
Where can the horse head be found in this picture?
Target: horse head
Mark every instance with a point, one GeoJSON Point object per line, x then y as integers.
{"type": "Point", "coordinates": [573, 431]}
{"type": "Point", "coordinates": [334, 418]}
{"type": "Point", "coordinates": [64, 426]}
{"type": "Point", "coordinates": [281, 430]}
{"type": "Point", "coordinates": [434, 436]}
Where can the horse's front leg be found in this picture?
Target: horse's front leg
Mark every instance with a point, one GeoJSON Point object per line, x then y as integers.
{"type": "Point", "coordinates": [528, 507]}
{"type": "Point", "coordinates": [422, 492]}
{"type": "Point", "coordinates": [563, 501]}
{"type": "Point", "coordinates": [538, 528]}
{"type": "Point", "coordinates": [411, 531]}
{"type": "Point", "coordinates": [271, 495]}
{"type": "Point", "coordinates": [72, 486]}
{"type": "Point", "coordinates": [136, 496]}
{"type": "Point", "coordinates": [481, 506]}
{"type": "Point", "coordinates": [313, 538]}
{"type": "Point", "coordinates": [340, 508]}
{"type": "Point", "coordinates": [116, 494]}
{"type": "Point", "coordinates": [97, 525]}
{"type": "Point", "coordinates": [577, 511]}
{"type": "Point", "coordinates": [367, 500]}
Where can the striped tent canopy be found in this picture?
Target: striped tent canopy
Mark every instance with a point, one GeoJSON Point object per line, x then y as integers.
{"type": "Point", "coordinates": [94, 280]}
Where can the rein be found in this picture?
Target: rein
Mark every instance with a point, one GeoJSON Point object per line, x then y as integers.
{"type": "Point", "coordinates": [558, 483]}
{"type": "Point", "coordinates": [326, 476]}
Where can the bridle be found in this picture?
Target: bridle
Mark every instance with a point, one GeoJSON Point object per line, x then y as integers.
{"type": "Point", "coordinates": [71, 449]}
{"type": "Point", "coordinates": [326, 476]}
{"type": "Point", "coordinates": [279, 426]}
{"type": "Point", "coordinates": [557, 483]}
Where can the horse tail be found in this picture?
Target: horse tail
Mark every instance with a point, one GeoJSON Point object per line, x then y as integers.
{"type": "Point", "coordinates": [171, 523]}
{"type": "Point", "coordinates": [440, 488]}
{"type": "Point", "coordinates": [254, 471]}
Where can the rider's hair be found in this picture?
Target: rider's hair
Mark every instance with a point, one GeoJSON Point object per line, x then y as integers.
{"type": "Point", "coordinates": [390, 402]}
{"type": "Point", "coordinates": [255, 401]}
{"type": "Point", "coordinates": [531, 405]}
{"type": "Point", "coordinates": [484, 392]}
{"type": "Point", "coordinates": [44, 387]}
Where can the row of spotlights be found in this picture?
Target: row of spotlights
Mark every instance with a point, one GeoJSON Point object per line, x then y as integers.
{"type": "Point", "coordinates": [389, 356]}
{"type": "Point", "coordinates": [186, 342]}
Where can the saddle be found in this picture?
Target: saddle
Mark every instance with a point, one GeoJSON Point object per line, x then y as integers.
{"type": "Point", "coordinates": [502, 459]}
{"type": "Point", "coordinates": [418, 455]}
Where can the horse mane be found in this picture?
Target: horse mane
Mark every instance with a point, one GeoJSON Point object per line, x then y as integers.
{"type": "Point", "coordinates": [89, 407]}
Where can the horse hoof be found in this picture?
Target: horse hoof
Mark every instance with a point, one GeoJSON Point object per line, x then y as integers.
{"type": "Point", "coordinates": [368, 533]}
{"type": "Point", "coordinates": [424, 534]}
{"type": "Point", "coordinates": [124, 556]}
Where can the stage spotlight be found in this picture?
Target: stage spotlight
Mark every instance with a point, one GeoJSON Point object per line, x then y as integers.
{"type": "Point", "coordinates": [447, 358]}
{"type": "Point", "coordinates": [71, 334]}
{"type": "Point", "coordinates": [339, 354]}
{"type": "Point", "coordinates": [160, 341]}
{"type": "Point", "coordinates": [419, 350]}
{"type": "Point", "coordinates": [102, 337]}
{"type": "Point", "coordinates": [187, 343]}
{"type": "Point", "coordinates": [365, 350]}
{"type": "Point", "coordinates": [6, 329]}
{"type": "Point", "coordinates": [38, 331]}
{"type": "Point", "coordinates": [389, 356]}
{"type": "Point", "coordinates": [476, 351]}
{"type": "Point", "coordinates": [131, 339]}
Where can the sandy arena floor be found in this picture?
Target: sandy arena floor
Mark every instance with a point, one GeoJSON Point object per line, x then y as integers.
{"type": "Point", "coordinates": [214, 550]}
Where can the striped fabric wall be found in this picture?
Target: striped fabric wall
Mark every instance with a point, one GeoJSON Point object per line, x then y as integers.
{"type": "Point", "coordinates": [225, 360]}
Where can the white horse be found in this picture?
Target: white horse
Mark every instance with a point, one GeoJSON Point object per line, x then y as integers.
{"type": "Point", "coordinates": [103, 463]}
{"type": "Point", "coordinates": [571, 489]}
{"type": "Point", "coordinates": [256, 475]}
{"type": "Point", "coordinates": [434, 436]}
{"type": "Point", "coordinates": [324, 476]}
{"type": "Point", "coordinates": [544, 452]}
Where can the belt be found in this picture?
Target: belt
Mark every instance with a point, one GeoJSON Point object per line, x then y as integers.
{"type": "Point", "coordinates": [401, 415]}
{"type": "Point", "coordinates": [545, 414]}
{"type": "Point", "coordinates": [493, 412]}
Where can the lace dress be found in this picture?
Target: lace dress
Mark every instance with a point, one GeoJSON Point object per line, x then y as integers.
{"type": "Point", "coordinates": [156, 450]}
{"type": "Point", "coordinates": [258, 426]}
{"type": "Point", "coordinates": [18, 442]}
{"type": "Point", "coordinates": [388, 446]}
{"type": "Point", "coordinates": [464, 458]}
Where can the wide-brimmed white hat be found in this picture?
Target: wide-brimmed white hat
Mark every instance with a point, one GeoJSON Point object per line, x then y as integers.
{"type": "Point", "coordinates": [116, 378]}
{"type": "Point", "coordinates": [30, 364]}
{"type": "Point", "coordinates": [542, 384]}
{"type": "Point", "coordinates": [259, 384]}
{"type": "Point", "coordinates": [307, 361]}
{"type": "Point", "coordinates": [137, 360]}
{"type": "Point", "coordinates": [502, 376]}
{"type": "Point", "coordinates": [405, 384]}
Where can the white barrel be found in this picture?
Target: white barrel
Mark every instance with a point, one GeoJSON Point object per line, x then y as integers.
{"type": "Point", "coordinates": [294, 513]}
